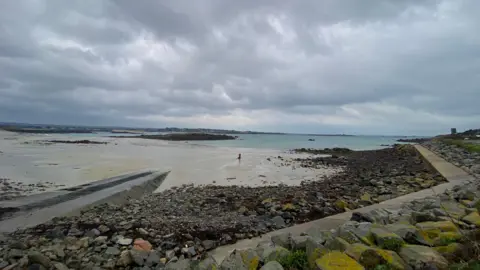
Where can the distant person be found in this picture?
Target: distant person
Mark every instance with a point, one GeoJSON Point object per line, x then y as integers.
{"type": "Point", "coordinates": [239, 157]}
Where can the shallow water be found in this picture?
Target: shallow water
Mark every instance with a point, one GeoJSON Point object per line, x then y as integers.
{"type": "Point", "coordinates": [26, 161]}
{"type": "Point", "coordinates": [288, 141]}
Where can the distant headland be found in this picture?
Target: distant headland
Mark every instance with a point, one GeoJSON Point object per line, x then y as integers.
{"type": "Point", "coordinates": [59, 129]}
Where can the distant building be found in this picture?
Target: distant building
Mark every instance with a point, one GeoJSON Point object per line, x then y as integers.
{"type": "Point", "coordinates": [454, 131]}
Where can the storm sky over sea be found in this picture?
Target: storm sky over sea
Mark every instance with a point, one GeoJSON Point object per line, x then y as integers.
{"type": "Point", "coordinates": [326, 66]}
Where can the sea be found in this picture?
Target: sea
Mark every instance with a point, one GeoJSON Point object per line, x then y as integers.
{"type": "Point", "coordinates": [289, 141]}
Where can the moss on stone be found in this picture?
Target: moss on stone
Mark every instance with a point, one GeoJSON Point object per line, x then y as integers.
{"type": "Point", "coordinates": [336, 260]}
{"type": "Point", "coordinates": [449, 250]}
{"type": "Point", "coordinates": [445, 238]}
{"type": "Point", "coordinates": [267, 200]}
{"type": "Point", "coordinates": [386, 239]}
{"type": "Point", "coordinates": [392, 243]}
{"type": "Point", "coordinates": [288, 207]}
{"type": "Point", "coordinates": [472, 218]}
{"type": "Point", "coordinates": [250, 258]}
{"type": "Point", "coordinates": [371, 258]}
{"type": "Point", "coordinates": [341, 204]}
{"type": "Point", "coordinates": [366, 197]}
{"type": "Point", "coordinates": [434, 228]}
{"type": "Point", "coordinates": [388, 257]}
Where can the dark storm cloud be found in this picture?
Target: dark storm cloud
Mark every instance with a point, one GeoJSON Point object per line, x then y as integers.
{"type": "Point", "coordinates": [315, 65]}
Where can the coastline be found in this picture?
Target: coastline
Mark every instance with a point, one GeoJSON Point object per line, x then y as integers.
{"type": "Point", "coordinates": [182, 223]}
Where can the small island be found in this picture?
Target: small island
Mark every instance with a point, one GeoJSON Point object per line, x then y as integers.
{"type": "Point", "coordinates": [184, 137]}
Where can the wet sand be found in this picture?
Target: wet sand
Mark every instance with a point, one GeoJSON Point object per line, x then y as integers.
{"type": "Point", "coordinates": [25, 160]}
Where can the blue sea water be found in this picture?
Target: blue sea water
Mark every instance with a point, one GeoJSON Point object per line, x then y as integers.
{"type": "Point", "coordinates": [289, 141]}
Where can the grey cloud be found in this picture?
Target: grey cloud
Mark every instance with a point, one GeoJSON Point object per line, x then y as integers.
{"type": "Point", "coordinates": [123, 61]}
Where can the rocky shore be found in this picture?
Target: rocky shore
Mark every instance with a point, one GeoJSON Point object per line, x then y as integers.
{"type": "Point", "coordinates": [438, 232]}
{"type": "Point", "coordinates": [326, 151]}
{"type": "Point", "coordinates": [166, 228]}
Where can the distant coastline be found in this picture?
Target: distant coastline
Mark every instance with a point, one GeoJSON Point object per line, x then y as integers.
{"type": "Point", "coordinates": [50, 128]}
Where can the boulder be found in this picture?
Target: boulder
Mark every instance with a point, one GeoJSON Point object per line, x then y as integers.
{"type": "Point", "coordinates": [282, 240]}
{"type": "Point", "coordinates": [386, 239]}
{"type": "Point", "coordinates": [337, 243]}
{"type": "Point", "coordinates": [250, 258]}
{"type": "Point", "coordinates": [362, 232]}
{"type": "Point", "coordinates": [336, 260]}
{"type": "Point", "coordinates": [375, 256]}
{"type": "Point", "coordinates": [380, 216]}
{"type": "Point", "coordinates": [345, 232]}
{"type": "Point", "coordinates": [453, 209]}
{"type": "Point", "coordinates": [416, 256]}
{"type": "Point", "coordinates": [417, 217]}
{"type": "Point", "coordinates": [274, 253]}
{"type": "Point", "coordinates": [314, 250]}
{"type": "Point", "coordinates": [452, 251]}
{"type": "Point", "coordinates": [445, 238]}
{"type": "Point", "coordinates": [319, 234]}
{"type": "Point", "coordinates": [235, 260]}
{"type": "Point", "coordinates": [298, 242]}
{"type": "Point", "coordinates": [409, 233]}
{"type": "Point", "coordinates": [37, 257]}
{"type": "Point", "coordinates": [356, 250]}
{"type": "Point", "coordinates": [207, 264]}
{"type": "Point", "coordinates": [273, 265]}
{"type": "Point", "coordinates": [472, 218]}
{"type": "Point", "coordinates": [433, 229]}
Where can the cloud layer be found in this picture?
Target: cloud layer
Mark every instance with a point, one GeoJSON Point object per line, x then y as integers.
{"type": "Point", "coordinates": [364, 67]}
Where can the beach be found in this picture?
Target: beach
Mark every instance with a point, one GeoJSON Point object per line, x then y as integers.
{"type": "Point", "coordinates": [28, 159]}
{"type": "Point", "coordinates": [209, 199]}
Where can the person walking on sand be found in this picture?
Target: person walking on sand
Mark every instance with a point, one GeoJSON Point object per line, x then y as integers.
{"type": "Point", "coordinates": [239, 157]}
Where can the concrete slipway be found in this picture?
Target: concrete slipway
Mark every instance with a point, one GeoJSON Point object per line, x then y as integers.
{"type": "Point", "coordinates": [36, 209]}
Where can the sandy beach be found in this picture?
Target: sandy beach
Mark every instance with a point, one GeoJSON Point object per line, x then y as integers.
{"type": "Point", "coordinates": [24, 158]}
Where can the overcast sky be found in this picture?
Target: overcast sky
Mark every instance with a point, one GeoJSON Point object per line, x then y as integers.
{"type": "Point", "coordinates": [326, 66]}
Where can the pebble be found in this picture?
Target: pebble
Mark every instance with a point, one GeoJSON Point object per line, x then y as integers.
{"type": "Point", "coordinates": [112, 251]}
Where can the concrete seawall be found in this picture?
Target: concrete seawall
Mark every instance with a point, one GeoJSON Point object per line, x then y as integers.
{"type": "Point", "coordinates": [36, 209]}
{"type": "Point", "coordinates": [453, 174]}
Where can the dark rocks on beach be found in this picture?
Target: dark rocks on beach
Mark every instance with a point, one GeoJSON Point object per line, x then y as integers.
{"type": "Point", "coordinates": [11, 189]}
{"type": "Point", "coordinates": [415, 140]}
{"type": "Point", "coordinates": [325, 151]}
{"type": "Point", "coordinates": [75, 142]}
{"type": "Point", "coordinates": [185, 137]}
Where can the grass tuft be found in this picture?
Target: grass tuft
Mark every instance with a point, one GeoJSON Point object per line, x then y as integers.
{"type": "Point", "coordinates": [297, 260]}
{"type": "Point", "coordinates": [464, 144]}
